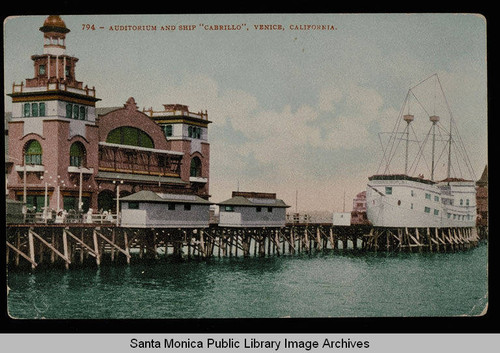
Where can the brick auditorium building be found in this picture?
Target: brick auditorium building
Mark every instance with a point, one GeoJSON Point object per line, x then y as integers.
{"type": "Point", "coordinates": [62, 146]}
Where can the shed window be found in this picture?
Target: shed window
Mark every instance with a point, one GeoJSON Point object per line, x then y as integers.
{"type": "Point", "coordinates": [229, 208]}
{"type": "Point", "coordinates": [269, 209]}
{"type": "Point", "coordinates": [187, 207]}
{"type": "Point", "coordinates": [388, 190]}
{"type": "Point", "coordinates": [171, 206]}
{"type": "Point", "coordinates": [259, 209]}
{"type": "Point", "coordinates": [133, 205]}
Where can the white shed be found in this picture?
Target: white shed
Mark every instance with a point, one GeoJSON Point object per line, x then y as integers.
{"type": "Point", "coordinates": [341, 219]}
{"type": "Point", "coordinates": [159, 210]}
{"type": "Point", "coordinates": [252, 209]}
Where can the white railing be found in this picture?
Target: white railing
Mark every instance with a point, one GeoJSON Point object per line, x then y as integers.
{"type": "Point", "coordinates": [20, 88]}
{"type": "Point", "coordinates": [70, 217]}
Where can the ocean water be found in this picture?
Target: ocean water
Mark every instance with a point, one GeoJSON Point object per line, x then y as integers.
{"type": "Point", "coordinates": [326, 284]}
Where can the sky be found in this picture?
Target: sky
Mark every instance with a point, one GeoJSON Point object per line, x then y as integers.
{"type": "Point", "coordinates": [297, 111]}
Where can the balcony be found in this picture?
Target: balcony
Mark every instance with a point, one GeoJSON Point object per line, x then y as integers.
{"type": "Point", "coordinates": [53, 86]}
{"type": "Point", "coordinates": [73, 169]}
{"type": "Point", "coordinates": [30, 168]}
{"type": "Point", "coordinates": [198, 180]}
{"type": "Point", "coordinates": [139, 160]}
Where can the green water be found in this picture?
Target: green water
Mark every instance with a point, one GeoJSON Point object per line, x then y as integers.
{"type": "Point", "coordinates": [326, 284]}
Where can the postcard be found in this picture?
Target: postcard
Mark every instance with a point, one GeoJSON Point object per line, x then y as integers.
{"type": "Point", "coordinates": [246, 166]}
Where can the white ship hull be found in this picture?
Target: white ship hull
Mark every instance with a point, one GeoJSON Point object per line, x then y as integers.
{"type": "Point", "coordinates": [403, 201]}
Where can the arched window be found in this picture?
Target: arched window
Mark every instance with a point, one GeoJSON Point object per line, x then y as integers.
{"type": "Point", "coordinates": [195, 167]}
{"type": "Point", "coordinates": [77, 155]}
{"type": "Point", "coordinates": [127, 135]}
{"type": "Point", "coordinates": [33, 153]}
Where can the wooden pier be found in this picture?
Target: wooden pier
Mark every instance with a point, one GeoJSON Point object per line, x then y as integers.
{"type": "Point", "coordinates": [72, 245]}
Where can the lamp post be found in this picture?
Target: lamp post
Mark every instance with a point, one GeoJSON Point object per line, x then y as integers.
{"type": "Point", "coordinates": [58, 191]}
{"type": "Point", "coordinates": [117, 182]}
{"type": "Point", "coordinates": [80, 190]}
{"type": "Point", "coordinates": [45, 200]}
{"type": "Point", "coordinates": [24, 183]}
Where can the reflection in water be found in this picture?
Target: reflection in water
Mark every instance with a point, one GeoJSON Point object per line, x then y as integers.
{"type": "Point", "coordinates": [328, 284]}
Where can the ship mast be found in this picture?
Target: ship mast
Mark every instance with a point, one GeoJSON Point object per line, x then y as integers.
{"type": "Point", "coordinates": [408, 118]}
{"type": "Point", "coordinates": [449, 153]}
{"type": "Point", "coordinates": [434, 119]}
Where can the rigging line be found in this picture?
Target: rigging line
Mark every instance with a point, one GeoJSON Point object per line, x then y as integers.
{"type": "Point", "coordinates": [397, 125]}
{"type": "Point", "coordinates": [420, 104]}
{"type": "Point", "coordinates": [443, 150]}
{"type": "Point", "coordinates": [383, 155]}
{"type": "Point", "coordinates": [391, 142]}
{"type": "Point", "coordinates": [397, 147]}
{"type": "Point", "coordinates": [462, 150]}
{"type": "Point", "coordinates": [459, 152]}
{"type": "Point", "coordinates": [419, 151]}
{"type": "Point", "coordinates": [421, 154]}
{"type": "Point", "coordinates": [425, 79]}
{"type": "Point", "coordinates": [452, 122]}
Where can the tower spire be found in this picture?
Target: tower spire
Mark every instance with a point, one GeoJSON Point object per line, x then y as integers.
{"type": "Point", "coordinates": [54, 35]}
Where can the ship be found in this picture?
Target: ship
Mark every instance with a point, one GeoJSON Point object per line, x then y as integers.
{"type": "Point", "coordinates": [406, 198]}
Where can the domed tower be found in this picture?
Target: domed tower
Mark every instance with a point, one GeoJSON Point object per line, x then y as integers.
{"type": "Point", "coordinates": [54, 66]}
{"type": "Point", "coordinates": [54, 35]}
{"type": "Point", "coordinates": [53, 132]}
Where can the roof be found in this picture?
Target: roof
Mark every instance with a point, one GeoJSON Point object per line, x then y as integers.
{"type": "Point", "coordinates": [253, 202]}
{"type": "Point", "coordinates": [484, 177]}
{"type": "Point", "coordinates": [400, 177]}
{"type": "Point", "coordinates": [151, 196]}
{"type": "Point", "coordinates": [54, 23]}
{"type": "Point", "coordinates": [106, 110]}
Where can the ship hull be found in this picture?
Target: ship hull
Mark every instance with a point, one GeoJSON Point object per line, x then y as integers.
{"type": "Point", "coordinates": [403, 201]}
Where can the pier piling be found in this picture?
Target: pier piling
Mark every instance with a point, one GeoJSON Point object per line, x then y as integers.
{"type": "Point", "coordinates": [72, 244]}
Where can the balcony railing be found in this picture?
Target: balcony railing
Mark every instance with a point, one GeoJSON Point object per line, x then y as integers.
{"type": "Point", "coordinates": [30, 168]}
{"type": "Point", "coordinates": [139, 160]}
{"type": "Point", "coordinates": [176, 110]}
{"type": "Point", "coordinates": [54, 86]}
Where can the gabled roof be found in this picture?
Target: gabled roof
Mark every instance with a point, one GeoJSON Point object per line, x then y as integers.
{"type": "Point", "coordinates": [484, 178]}
{"type": "Point", "coordinates": [253, 202]}
{"type": "Point", "coordinates": [151, 196]}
